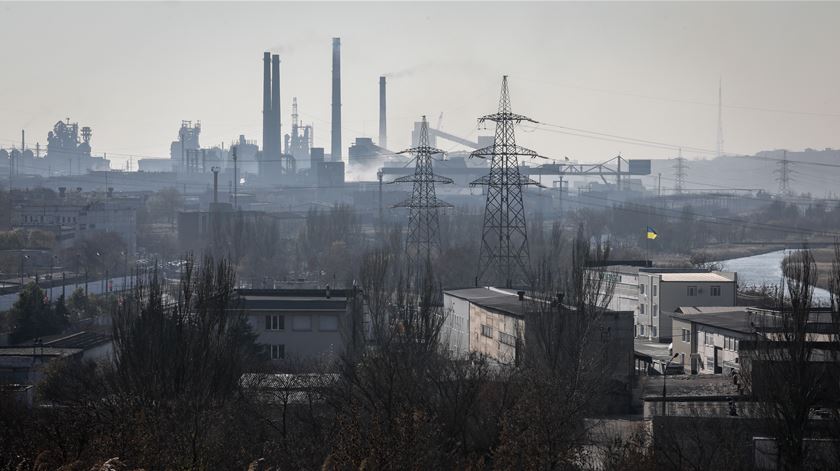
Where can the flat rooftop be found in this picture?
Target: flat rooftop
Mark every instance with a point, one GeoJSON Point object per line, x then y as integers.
{"type": "Point", "coordinates": [697, 277]}
{"type": "Point", "coordinates": [292, 299]}
{"type": "Point", "coordinates": [498, 299]}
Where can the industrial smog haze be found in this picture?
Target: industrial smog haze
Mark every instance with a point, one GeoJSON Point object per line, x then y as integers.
{"type": "Point", "coordinates": [407, 235]}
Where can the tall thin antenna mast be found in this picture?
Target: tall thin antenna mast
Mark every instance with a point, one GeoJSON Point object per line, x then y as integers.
{"type": "Point", "coordinates": [720, 119]}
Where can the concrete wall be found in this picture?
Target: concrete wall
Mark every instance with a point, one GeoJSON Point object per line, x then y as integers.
{"type": "Point", "coordinates": [503, 329]}
{"type": "Point", "coordinates": [316, 341]}
{"type": "Point", "coordinates": [456, 328]}
{"type": "Point", "coordinates": [726, 351]}
{"type": "Point", "coordinates": [684, 348]}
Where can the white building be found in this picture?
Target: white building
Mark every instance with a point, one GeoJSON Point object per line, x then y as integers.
{"type": "Point", "coordinates": [654, 293]}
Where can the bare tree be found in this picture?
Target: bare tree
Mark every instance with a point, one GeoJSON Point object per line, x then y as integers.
{"type": "Point", "coordinates": [788, 369]}
{"type": "Point", "coordinates": [564, 373]}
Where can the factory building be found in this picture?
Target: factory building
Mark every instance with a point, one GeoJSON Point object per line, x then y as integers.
{"type": "Point", "coordinates": [74, 220]}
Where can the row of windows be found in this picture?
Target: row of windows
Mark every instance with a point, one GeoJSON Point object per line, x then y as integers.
{"type": "Point", "coordinates": [713, 290]}
{"type": "Point", "coordinates": [653, 331]}
{"type": "Point", "coordinates": [642, 289]}
{"type": "Point", "coordinates": [730, 343]}
{"type": "Point", "coordinates": [654, 311]}
{"type": "Point", "coordinates": [301, 323]}
{"type": "Point", "coordinates": [507, 339]}
{"type": "Point", "coordinates": [40, 219]}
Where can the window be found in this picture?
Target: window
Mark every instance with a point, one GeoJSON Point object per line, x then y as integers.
{"type": "Point", "coordinates": [714, 290]}
{"type": "Point", "coordinates": [726, 343]}
{"type": "Point", "coordinates": [278, 352]}
{"type": "Point", "coordinates": [653, 331]}
{"type": "Point", "coordinates": [736, 345]}
{"type": "Point", "coordinates": [327, 323]}
{"type": "Point", "coordinates": [486, 331]}
{"type": "Point", "coordinates": [686, 335]}
{"type": "Point", "coordinates": [654, 289]}
{"type": "Point", "coordinates": [641, 289]}
{"type": "Point", "coordinates": [641, 330]}
{"type": "Point", "coordinates": [302, 322]}
{"type": "Point", "coordinates": [275, 322]}
{"type": "Point", "coordinates": [655, 310]}
{"type": "Point", "coordinates": [692, 290]}
{"type": "Point", "coordinates": [710, 340]}
{"type": "Point", "coordinates": [507, 339]}
{"type": "Point", "coordinates": [641, 308]}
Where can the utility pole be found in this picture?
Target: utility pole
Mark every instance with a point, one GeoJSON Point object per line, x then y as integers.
{"type": "Point", "coordinates": [423, 225]}
{"type": "Point", "coordinates": [504, 258]}
{"type": "Point", "coordinates": [659, 185]}
{"type": "Point", "coordinates": [235, 178]}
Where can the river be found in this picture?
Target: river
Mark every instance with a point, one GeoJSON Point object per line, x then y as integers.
{"type": "Point", "coordinates": [766, 269]}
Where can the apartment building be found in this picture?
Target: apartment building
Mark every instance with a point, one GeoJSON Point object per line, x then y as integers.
{"type": "Point", "coordinates": [662, 292]}
{"type": "Point", "coordinates": [298, 324]}
{"type": "Point", "coordinates": [654, 293]}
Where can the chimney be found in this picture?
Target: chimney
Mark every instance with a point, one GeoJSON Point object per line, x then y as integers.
{"type": "Point", "coordinates": [266, 143]}
{"type": "Point", "coordinates": [215, 185]}
{"type": "Point", "coordinates": [275, 107]}
{"type": "Point", "coordinates": [521, 295]}
{"type": "Point", "coordinates": [61, 191]}
{"type": "Point", "coordinates": [110, 192]}
{"type": "Point", "coordinates": [328, 292]}
{"type": "Point", "coordinates": [336, 101]}
{"type": "Point", "coordinates": [383, 131]}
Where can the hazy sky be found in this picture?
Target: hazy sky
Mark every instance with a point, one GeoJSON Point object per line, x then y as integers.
{"type": "Point", "coordinates": [133, 71]}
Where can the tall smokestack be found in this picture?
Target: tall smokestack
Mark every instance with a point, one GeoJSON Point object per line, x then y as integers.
{"type": "Point", "coordinates": [266, 142]}
{"type": "Point", "coordinates": [275, 106]}
{"type": "Point", "coordinates": [383, 127]}
{"type": "Point", "coordinates": [336, 101]}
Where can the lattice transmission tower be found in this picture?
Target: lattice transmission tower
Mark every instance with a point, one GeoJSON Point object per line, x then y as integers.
{"type": "Point", "coordinates": [504, 259]}
{"type": "Point", "coordinates": [680, 173]}
{"type": "Point", "coordinates": [423, 238]}
{"type": "Point", "coordinates": [783, 175]}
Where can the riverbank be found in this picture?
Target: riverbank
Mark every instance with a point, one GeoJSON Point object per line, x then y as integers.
{"type": "Point", "coordinates": [824, 257]}
{"type": "Point", "coordinates": [721, 252]}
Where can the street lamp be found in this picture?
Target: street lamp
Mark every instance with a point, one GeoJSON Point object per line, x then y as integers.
{"type": "Point", "coordinates": [665, 377]}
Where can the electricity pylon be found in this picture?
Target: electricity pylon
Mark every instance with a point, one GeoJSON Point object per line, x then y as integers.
{"type": "Point", "coordinates": [504, 259]}
{"type": "Point", "coordinates": [423, 238]}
